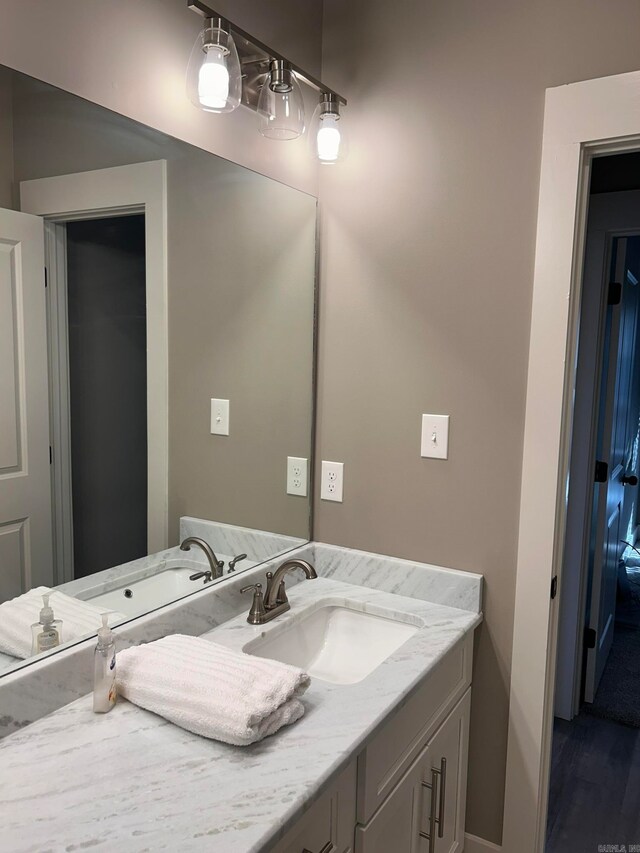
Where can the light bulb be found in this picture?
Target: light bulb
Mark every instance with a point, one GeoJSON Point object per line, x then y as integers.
{"type": "Point", "coordinates": [213, 80]}
{"type": "Point", "coordinates": [328, 139]}
{"type": "Point", "coordinates": [214, 75]}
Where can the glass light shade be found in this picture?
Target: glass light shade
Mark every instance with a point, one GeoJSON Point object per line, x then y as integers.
{"type": "Point", "coordinates": [281, 106]}
{"type": "Point", "coordinates": [327, 139]}
{"type": "Point", "coordinates": [214, 76]}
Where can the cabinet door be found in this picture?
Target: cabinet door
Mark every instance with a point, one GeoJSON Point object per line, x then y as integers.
{"type": "Point", "coordinates": [425, 811]}
{"type": "Point", "coordinates": [448, 753]}
{"type": "Point", "coordinates": [327, 826]}
{"type": "Point", "coordinates": [397, 823]}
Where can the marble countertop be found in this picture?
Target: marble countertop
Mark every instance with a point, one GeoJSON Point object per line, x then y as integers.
{"type": "Point", "coordinates": [129, 780]}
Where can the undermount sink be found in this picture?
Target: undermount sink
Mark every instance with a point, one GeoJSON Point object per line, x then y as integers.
{"type": "Point", "coordinates": [334, 642]}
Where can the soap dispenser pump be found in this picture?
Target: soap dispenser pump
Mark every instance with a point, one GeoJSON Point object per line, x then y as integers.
{"type": "Point", "coordinates": [47, 633]}
{"type": "Point", "coordinates": [104, 669]}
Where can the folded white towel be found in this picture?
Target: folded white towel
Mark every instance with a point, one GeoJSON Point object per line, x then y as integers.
{"type": "Point", "coordinates": [211, 690]}
{"type": "Point", "coordinates": [17, 615]}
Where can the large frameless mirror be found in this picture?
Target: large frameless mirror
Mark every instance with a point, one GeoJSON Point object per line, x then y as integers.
{"type": "Point", "coordinates": [157, 387]}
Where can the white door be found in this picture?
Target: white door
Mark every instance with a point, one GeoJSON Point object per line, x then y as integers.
{"type": "Point", "coordinates": [616, 434]}
{"type": "Point", "coordinates": [25, 491]}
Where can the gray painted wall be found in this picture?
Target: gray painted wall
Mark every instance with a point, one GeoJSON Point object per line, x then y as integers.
{"type": "Point", "coordinates": [428, 237]}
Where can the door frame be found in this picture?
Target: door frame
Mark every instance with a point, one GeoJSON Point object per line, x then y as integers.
{"type": "Point", "coordinates": [580, 120]}
{"type": "Point", "coordinates": [137, 188]}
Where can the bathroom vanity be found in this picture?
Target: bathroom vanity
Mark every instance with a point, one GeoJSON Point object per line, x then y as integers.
{"type": "Point", "coordinates": [406, 789]}
{"type": "Point", "coordinates": [375, 764]}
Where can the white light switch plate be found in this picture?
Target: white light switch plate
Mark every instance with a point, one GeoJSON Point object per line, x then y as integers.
{"type": "Point", "coordinates": [219, 417]}
{"type": "Point", "coordinates": [331, 483]}
{"type": "Point", "coordinates": [297, 476]}
{"type": "Point", "coordinates": [435, 436]}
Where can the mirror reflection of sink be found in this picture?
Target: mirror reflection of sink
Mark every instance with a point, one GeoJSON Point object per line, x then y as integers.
{"type": "Point", "coordinates": [142, 594]}
{"type": "Point", "coordinates": [139, 595]}
{"type": "Point", "coordinates": [334, 643]}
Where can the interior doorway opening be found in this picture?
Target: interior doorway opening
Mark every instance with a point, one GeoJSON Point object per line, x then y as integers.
{"type": "Point", "coordinates": [597, 697]}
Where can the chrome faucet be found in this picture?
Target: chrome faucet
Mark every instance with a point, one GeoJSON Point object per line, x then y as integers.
{"type": "Point", "coordinates": [275, 601]}
{"type": "Point", "coordinates": [215, 565]}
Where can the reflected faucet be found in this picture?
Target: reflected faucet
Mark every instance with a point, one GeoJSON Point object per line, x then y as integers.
{"type": "Point", "coordinates": [216, 565]}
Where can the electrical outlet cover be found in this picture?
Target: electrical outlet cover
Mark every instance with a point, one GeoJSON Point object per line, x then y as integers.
{"type": "Point", "coordinates": [297, 468]}
{"type": "Point", "coordinates": [332, 481]}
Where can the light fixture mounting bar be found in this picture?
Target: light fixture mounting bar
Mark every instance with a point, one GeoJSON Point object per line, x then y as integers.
{"type": "Point", "coordinates": [256, 53]}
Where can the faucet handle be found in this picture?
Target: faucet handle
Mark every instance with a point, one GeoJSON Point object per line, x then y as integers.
{"type": "Point", "coordinates": [232, 563]}
{"type": "Point", "coordinates": [206, 575]}
{"type": "Point", "coordinates": [257, 612]}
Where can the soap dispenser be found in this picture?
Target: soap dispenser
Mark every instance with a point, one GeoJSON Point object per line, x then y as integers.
{"type": "Point", "coordinates": [104, 669]}
{"type": "Point", "coordinates": [47, 633]}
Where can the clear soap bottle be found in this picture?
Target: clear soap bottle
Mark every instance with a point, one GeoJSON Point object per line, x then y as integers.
{"type": "Point", "coordinates": [47, 633]}
{"type": "Point", "coordinates": [104, 669]}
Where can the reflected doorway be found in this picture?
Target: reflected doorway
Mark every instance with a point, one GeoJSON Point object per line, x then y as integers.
{"type": "Point", "coordinates": [107, 391]}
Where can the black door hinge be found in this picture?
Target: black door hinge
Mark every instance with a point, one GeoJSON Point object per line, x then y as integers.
{"type": "Point", "coordinates": [590, 638]}
{"type": "Point", "coordinates": [602, 472]}
{"type": "Point", "coordinates": [614, 297]}
{"type": "Point", "coordinates": [554, 586]}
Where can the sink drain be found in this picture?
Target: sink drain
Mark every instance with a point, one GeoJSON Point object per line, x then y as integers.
{"type": "Point", "coordinates": [128, 593]}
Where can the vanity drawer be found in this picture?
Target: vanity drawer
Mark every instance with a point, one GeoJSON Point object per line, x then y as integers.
{"type": "Point", "coordinates": [383, 762]}
{"type": "Point", "coordinates": [328, 825]}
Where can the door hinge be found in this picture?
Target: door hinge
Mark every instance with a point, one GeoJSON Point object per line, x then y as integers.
{"type": "Point", "coordinates": [554, 586]}
{"type": "Point", "coordinates": [590, 638]}
{"type": "Point", "coordinates": [46, 277]}
{"type": "Point", "coordinates": [50, 455]}
{"type": "Point", "coordinates": [601, 472]}
{"type": "Point", "coordinates": [614, 297]}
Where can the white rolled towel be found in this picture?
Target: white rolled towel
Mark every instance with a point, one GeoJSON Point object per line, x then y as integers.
{"type": "Point", "coordinates": [79, 619]}
{"type": "Point", "coordinates": [211, 690]}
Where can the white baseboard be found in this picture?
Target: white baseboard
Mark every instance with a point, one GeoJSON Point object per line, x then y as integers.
{"type": "Point", "coordinates": [473, 844]}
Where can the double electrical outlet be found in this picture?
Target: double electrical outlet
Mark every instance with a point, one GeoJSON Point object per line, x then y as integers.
{"type": "Point", "coordinates": [330, 485]}
{"type": "Point", "coordinates": [297, 476]}
{"type": "Point", "coordinates": [332, 481]}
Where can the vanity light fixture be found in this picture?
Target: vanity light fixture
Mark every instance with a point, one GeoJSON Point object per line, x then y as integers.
{"type": "Point", "coordinates": [280, 105]}
{"type": "Point", "coordinates": [326, 132]}
{"type": "Point", "coordinates": [263, 80]}
{"type": "Point", "coordinates": [214, 77]}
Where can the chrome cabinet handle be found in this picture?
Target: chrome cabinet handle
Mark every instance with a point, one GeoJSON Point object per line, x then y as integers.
{"type": "Point", "coordinates": [328, 848]}
{"type": "Point", "coordinates": [443, 794]}
{"type": "Point", "coordinates": [433, 819]}
{"type": "Point", "coordinates": [431, 835]}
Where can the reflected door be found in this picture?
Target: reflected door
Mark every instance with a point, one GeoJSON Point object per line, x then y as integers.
{"type": "Point", "coordinates": [25, 489]}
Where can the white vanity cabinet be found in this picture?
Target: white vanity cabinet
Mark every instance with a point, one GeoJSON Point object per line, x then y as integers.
{"type": "Point", "coordinates": [406, 790]}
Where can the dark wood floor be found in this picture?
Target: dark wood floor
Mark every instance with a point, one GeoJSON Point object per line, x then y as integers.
{"type": "Point", "coordinates": [595, 786]}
